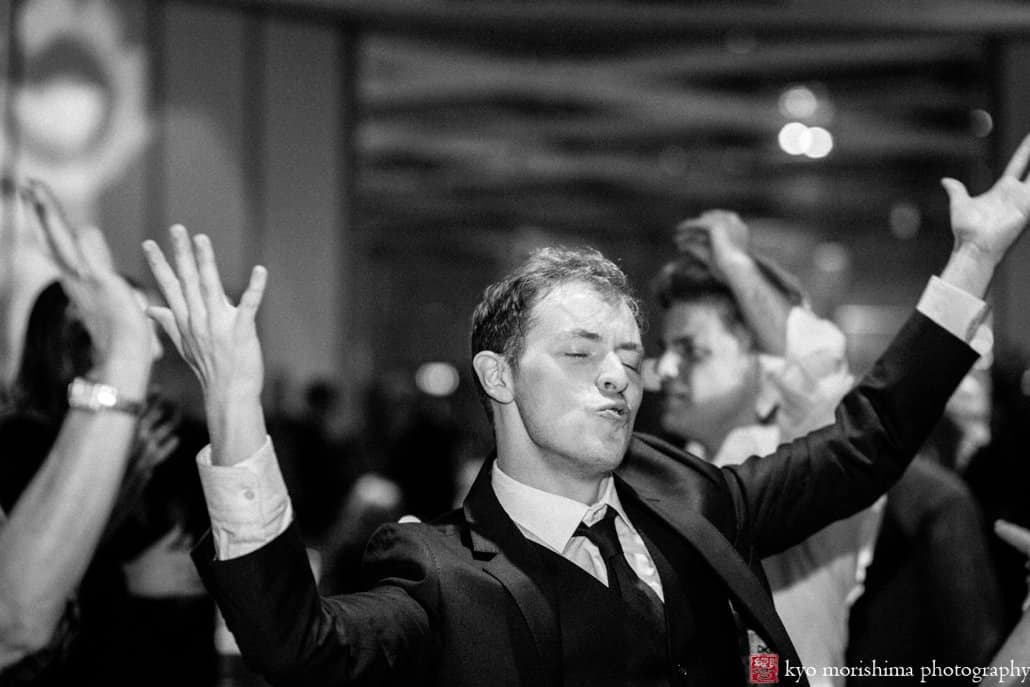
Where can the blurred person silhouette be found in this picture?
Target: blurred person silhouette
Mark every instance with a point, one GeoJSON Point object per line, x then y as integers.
{"type": "Point", "coordinates": [339, 500]}
{"type": "Point", "coordinates": [58, 509]}
{"type": "Point", "coordinates": [544, 576]}
{"type": "Point", "coordinates": [140, 586]}
{"type": "Point", "coordinates": [997, 469]}
{"type": "Point", "coordinates": [746, 367]}
{"type": "Point", "coordinates": [319, 465]}
{"type": "Point", "coordinates": [423, 459]}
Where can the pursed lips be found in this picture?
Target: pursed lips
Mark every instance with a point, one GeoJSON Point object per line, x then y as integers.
{"type": "Point", "coordinates": [614, 411]}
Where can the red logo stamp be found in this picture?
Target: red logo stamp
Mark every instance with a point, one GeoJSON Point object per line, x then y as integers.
{"type": "Point", "coordinates": [765, 669]}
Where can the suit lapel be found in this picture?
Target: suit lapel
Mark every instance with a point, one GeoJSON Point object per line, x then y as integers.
{"type": "Point", "coordinates": [744, 587]}
{"type": "Point", "coordinates": [513, 562]}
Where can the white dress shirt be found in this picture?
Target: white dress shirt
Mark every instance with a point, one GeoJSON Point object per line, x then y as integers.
{"type": "Point", "coordinates": [249, 504]}
{"type": "Point", "coordinates": [551, 520]}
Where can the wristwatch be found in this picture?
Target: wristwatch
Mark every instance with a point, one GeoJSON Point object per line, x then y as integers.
{"type": "Point", "coordinates": [96, 397]}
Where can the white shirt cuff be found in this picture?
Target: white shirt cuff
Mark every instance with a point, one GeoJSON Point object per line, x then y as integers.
{"type": "Point", "coordinates": [248, 502]}
{"type": "Point", "coordinates": [961, 313]}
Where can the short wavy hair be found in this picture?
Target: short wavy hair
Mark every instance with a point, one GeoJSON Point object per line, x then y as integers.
{"type": "Point", "coordinates": [688, 279]}
{"type": "Point", "coordinates": [504, 314]}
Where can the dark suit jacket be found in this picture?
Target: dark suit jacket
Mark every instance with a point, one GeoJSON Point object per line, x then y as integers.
{"type": "Point", "coordinates": [456, 602]}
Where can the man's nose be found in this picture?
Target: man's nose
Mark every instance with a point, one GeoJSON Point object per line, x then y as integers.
{"type": "Point", "coordinates": [669, 365]}
{"type": "Point", "coordinates": [613, 378]}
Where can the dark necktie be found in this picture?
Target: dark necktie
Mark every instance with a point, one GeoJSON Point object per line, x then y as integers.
{"type": "Point", "coordinates": [621, 578]}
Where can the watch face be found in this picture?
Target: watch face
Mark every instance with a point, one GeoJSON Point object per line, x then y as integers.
{"type": "Point", "coordinates": [105, 396]}
{"type": "Point", "coordinates": [85, 395]}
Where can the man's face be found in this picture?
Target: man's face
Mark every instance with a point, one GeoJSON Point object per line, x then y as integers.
{"type": "Point", "coordinates": [577, 387]}
{"type": "Point", "coordinates": [709, 374]}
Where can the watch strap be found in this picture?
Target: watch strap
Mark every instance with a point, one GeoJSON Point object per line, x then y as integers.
{"type": "Point", "coordinates": [96, 397]}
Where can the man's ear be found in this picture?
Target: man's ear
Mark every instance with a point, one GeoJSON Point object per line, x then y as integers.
{"type": "Point", "coordinates": [495, 375]}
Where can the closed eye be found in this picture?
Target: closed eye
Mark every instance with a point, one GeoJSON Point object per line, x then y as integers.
{"type": "Point", "coordinates": [698, 354]}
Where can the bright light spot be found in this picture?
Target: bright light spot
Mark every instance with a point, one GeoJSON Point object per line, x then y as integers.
{"type": "Point", "coordinates": [437, 379]}
{"type": "Point", "coordinates": [831, 257]}
{"type": "Point", "coordinates": [798, 102]}
{"type": "Point", "coordinates": [821, 142]}
{"type": "Point", "coordinates": [905, 220]}
{"type": "Point", "coordinates": [981, 122]}
{"type": "Point", "coordinates": [813, 141]}
{"type": "Point", "coordinates": [106, 397]}
{"type": "Point", "coordinates": [795, 138]}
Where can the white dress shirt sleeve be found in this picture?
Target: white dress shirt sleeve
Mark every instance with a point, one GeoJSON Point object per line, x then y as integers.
{"type": "Point", "coordinates": [248, 502]}
{"type": "Point", "coordinates": [961, 313]}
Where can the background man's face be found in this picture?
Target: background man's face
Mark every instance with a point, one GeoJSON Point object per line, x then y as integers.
{"type": "Point", "coordinates": [578, 385]}
{"type": "Point", "coordinates": [709, 374]}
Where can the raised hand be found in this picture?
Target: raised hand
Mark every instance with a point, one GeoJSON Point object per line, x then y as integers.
{"type": "Point", "coordinates": [102, 299]}
{"type": "Point", "coordinates": [718, 238]}
{"type": "Point", "coordinates": [993, 220]}
{"type": "Point", "coordinates": [217, 339]}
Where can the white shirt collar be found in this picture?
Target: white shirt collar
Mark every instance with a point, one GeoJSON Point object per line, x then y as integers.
{"type": "Point", "coordinates": [550, 518]}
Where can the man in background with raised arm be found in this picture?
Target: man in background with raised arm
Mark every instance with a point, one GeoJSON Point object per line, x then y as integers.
{"type": "Point", "coordinates": [745, 367]}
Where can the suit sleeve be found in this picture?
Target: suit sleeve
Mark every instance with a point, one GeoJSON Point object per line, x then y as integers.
{"type": "Point", "coordinates": [293, 636]}
{"type": "Point", "coordinates": [836, 471]}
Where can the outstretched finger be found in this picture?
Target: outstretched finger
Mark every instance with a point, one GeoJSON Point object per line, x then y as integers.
{"type": "Point", "coordinates": [167, 321]}
{"type": "Point", "coordinates": [210, 281]}
{"type": "Point", "coordinates": [186, 266]}
{"type": "Point", "coordinates": [58, 232]}
{"type": "Point", "coordinates": [1017, 165]}
{"type": "Point", "coordinates": [167, 282]}
{"type": "Point", "coordinates": [162, 430]}
{"type": "Point", "coordinates": [251, 298]}
{"type": "Point", "coordinates": [955, 189]}
{"type": "Point", "coordinates": [1014, 535]}
{"type": "Point", "coordinates": [165, 448]}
